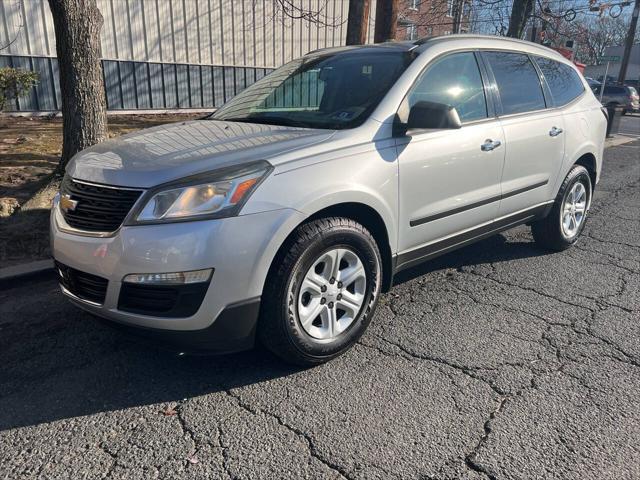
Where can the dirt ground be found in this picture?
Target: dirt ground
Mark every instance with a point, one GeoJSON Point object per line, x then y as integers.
{"type": "Point", "coordinates": [30, 148]}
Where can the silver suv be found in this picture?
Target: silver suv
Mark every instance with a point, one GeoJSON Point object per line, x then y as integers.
{"type": "Point", "coordinates": [285, 214]}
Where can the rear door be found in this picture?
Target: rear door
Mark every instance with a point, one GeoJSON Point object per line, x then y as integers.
{"type": "Point", "coordinates": [534, 133]}
{"type": "Point", "coordinates": [566, 88]}
{"type": "Point", "coordinates": [448, 181]}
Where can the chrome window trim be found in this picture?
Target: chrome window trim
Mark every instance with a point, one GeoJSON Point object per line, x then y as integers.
{"type": "Point", "coordinates": [103, 185]}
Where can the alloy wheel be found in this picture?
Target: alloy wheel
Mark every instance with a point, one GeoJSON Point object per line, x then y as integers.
{"type": "Point", "coordinates": [574, 210]}
{"type": "Point", "coordinates": [332, 294]}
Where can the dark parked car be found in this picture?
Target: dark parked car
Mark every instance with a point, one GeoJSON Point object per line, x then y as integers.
{"type": "Point", "coordinates": [619, 95]}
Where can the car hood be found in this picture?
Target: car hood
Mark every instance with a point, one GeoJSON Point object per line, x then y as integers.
{"type": "Point", "coordinates": [169, 152]}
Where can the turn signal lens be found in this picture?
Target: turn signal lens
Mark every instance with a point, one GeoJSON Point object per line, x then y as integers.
{"type": "Point", "coordinates": [242, 189]}
{"type": "Point", "coordinates": [176, 278]}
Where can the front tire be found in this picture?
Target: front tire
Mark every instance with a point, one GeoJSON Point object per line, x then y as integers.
{"type": "Point", "coordinates": [321, 292]}
{"type": "Point", "coordinates": [563, 225]}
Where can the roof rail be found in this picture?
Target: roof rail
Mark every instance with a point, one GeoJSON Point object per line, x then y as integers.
{"type": "Point", "coordinates": [422, 41]}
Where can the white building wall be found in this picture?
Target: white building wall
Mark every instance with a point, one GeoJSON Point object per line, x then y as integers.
{"type": "Point", "coordinates": [207, 32]}
{"type": "Point", "coordinates": [166, 54]}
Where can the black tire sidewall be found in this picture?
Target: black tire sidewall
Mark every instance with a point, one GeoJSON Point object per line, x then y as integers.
{"type": "Point", "coordinates": [365, 249]}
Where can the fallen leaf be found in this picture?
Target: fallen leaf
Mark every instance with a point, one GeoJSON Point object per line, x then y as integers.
{"type": "Point", "coordinates": [170, 411]}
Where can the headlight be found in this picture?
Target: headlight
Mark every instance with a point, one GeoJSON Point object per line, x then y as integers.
{"type": "Point", "coordinates": [214, 195]}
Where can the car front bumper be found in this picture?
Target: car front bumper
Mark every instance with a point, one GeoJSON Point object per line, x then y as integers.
{"type": "Point", "coordinates": [239, 250]}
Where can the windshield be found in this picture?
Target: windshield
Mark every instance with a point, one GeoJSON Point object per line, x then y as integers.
{"type": "Point", "coordinates": [335, 90]}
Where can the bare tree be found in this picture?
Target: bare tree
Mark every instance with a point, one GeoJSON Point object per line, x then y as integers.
{"type": "Point", "coordinates": [296, 10]}
{"type": "Point", "coordinates": [358, 22]}
{"type": "Point", "coordinates": [20, 25]}
{"type": "Point", "coordinates": [77, 25]}
{"type": "Point", "coordinates": [386, 20]}
{"type": "Point", "coordinates": [595, 34]}
{"type": "Point", "coordinates": [520, 14]}
{"type": "Point", "coordinates": [432, 17]}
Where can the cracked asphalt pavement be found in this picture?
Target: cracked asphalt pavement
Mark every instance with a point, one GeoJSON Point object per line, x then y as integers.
{"type": "Point", "coordinates": [498, 361]}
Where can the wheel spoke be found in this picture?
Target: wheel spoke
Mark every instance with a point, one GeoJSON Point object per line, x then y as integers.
{"type": "Point", "coordinates": [351, 274]}
{"type": "Point", "coordinates": [309, 314]}
{"type": "Point", "coordinates": [313, 283]}
{"type": "Point", "coordinates": [331, 322]}
{"type": "Point", "coordinates": [351, 302]}
{"type": "Point", "coordinates": [340, 253]}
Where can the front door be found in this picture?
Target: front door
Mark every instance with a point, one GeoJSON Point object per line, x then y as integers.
{"type": "Point", "coordinates": [449, 179]}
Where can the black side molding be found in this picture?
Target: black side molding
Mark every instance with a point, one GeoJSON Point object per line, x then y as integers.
{"type": "Point", "coordinates": [464, 208]}
{"type": "Point", "coordinates": [433, 250]}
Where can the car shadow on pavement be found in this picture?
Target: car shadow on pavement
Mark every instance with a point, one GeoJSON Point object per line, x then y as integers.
{"type": "Point", "coordinates": [58, 362]}
{"type": "Point", "coordinates": [492, 250]}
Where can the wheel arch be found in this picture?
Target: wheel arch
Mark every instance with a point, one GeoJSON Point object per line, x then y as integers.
{"type": "Point", "coordinates": [589, 155]}
{"type": "Point", "coordinates": [588, 161]}
{"type": "Point", "coordinates": [362, 213]}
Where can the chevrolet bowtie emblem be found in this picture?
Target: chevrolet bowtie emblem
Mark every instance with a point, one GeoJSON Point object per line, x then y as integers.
{"type": "Point", "coordinates": [66, 204]}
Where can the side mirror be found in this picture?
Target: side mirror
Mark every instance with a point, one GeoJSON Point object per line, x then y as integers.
{"type": "Point", "coordinates": [431, 115]}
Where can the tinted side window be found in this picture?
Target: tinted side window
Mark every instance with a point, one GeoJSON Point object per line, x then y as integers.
{"type": "Point", "coordinates": [518, 82]}
{"type": "Point", "coordinates": [453, 80]}
{"type": "Point", "coordinates": [564, 82]}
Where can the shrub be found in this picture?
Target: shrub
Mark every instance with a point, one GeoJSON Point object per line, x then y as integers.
{"type": "Point", "coordinates": [15, 83]}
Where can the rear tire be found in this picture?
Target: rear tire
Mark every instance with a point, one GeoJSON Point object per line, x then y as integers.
{"type": "Point", "coordinates": [309, 314]}
{"type": "Point", "coordinates": [563, 225]}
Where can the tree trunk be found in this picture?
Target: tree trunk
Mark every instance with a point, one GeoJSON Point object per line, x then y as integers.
{"type": "Point", "coordinates": [520, 14]}
{"type": "Point", "coordinates": [386, 20]}
{"type": "Point", "coordinates": [77, 25]}
{"type": "Point", "coordinates": [358, 22]}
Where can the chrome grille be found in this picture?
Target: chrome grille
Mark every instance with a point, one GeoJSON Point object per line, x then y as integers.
{"type": "Point", "coordinates": [98, 208]}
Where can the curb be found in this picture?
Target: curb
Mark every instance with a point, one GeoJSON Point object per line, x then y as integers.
{"type": "Point", "coordinates": [14, 276]}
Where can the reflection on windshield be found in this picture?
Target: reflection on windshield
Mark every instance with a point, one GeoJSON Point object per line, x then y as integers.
{"type": "Point", "coordinates": [335, 90]}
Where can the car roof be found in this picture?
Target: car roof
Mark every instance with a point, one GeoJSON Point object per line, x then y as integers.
{"type": "Point", "coordinates": [367, 48]}
{"type": "Point", "coordinates": [460, 40]}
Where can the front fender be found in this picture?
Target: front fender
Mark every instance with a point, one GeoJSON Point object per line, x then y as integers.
{"type": "Point", "coordinates": [369, 178]}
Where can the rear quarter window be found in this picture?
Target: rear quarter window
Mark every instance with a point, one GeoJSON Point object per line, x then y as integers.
{"type": "Point", "coordinates": [563, 81]}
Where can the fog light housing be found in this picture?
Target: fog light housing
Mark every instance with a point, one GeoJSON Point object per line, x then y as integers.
{"type": "Point", "coordinates": [175, 278]}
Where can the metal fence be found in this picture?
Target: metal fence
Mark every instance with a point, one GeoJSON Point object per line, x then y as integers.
{"type": "Point", "coordinates": [171, 54]}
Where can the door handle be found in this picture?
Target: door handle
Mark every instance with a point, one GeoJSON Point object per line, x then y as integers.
{"type": "Point", "coordinates": [555, 131]}
{"type": "Point", "coordinates": [489, 145]}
